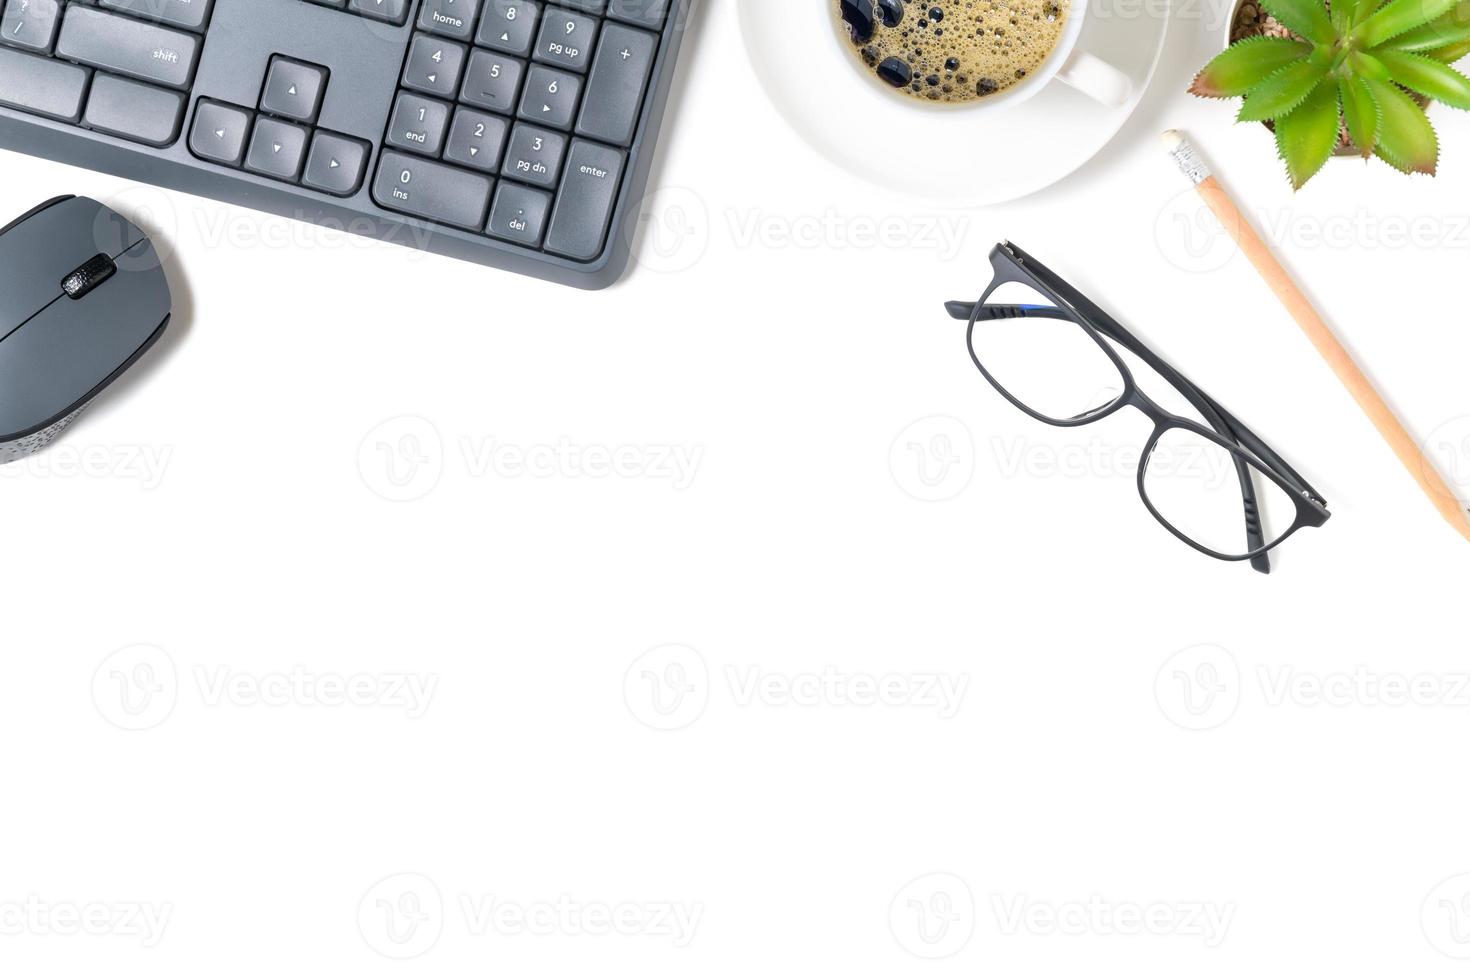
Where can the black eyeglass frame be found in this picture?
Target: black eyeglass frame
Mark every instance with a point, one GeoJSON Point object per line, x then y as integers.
{"type": "Point", "coordinates": [1249, 452]}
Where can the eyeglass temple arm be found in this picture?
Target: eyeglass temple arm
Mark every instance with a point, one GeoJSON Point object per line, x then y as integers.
{"type": "Point", "coordinates": [1109, 327]}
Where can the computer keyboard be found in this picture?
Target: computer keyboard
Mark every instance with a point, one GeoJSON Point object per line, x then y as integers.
{"type": "Point", "coordinates": [512, 133]}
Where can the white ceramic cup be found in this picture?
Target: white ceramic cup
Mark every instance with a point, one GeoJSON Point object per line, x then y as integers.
{"type": "Point", "coordinates": [1067, 63]}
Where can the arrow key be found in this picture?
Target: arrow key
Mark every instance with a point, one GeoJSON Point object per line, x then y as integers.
{"type": "Point", "coordinates": [293, 89]}
{"type": "Point", "coordinates": [434, 66]}
{"type": "Point", "coordinates": [219, 132]}
{"type": "Point", "coordinates": [335, 164]}
{"type": "Point", "coordinates": [276, 149]}
{"type": "Point", "coordinates": [550, 97]}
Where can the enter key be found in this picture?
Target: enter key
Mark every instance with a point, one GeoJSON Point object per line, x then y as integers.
{"type": "Point", "coordinates": [588, 190]}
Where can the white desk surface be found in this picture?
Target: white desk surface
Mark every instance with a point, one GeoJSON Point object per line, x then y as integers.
{"type": "Point", "coordinates": [225, 508]}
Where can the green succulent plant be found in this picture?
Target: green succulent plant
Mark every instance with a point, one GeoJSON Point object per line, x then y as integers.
{"type": "Point", "coordinates": [1355, 63]}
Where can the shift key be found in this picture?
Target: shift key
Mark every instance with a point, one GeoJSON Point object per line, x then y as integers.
{"type": "Point", "coordinates": [588, 192]}
{"type": "Point", "coordinates": [128, 47]}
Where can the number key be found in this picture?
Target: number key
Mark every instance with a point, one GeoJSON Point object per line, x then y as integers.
{"type": "Point", "coordinates": [509, 26]}
{"type": "Point", "coordinates": [418, 124]}
{"type": "Point", "coordinates": [434, 66]}
{"type": "Point", "coordinates": [491, 81]}
{"type": "Point", "coordinates": [431, 190]}
{"type": "Point", "coordinates": [476, 139]}
{"type": "Point", "coordinates": [551, 97]}
{"type": "Point", "coordinates": [534, 155]}
{"type": "Point", "coordinates": [566, 39]}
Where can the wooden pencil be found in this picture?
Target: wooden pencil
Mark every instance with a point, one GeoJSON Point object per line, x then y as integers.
{"type": "Point", "coordinates": [1315, 327]}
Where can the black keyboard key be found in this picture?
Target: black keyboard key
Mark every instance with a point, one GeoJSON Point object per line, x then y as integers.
{"type": "Point", "coordinates": [277, 149]}
{"type": "Point", "coordinates": [451, 18]}
{"type": "Point", "coordinates": [551, 97]}
{"type": "Point", "coordinates": [509, 26]}
{"type": "Point", "coordinates": [519, 214]}
{"type": "Point", "coordinates": [335, 164]}
{"type": "Point", "coordinates": [585, 203]}
{"type": "Point", "coordinates": [534, 155]}
{"type": "Point", "coordinates": [431, 190]}
{"type": "Point", "coordinates": [127, 46]}
{"type": "Point", "coordinates": [644, 13]}
{"type": "Point", "coordinates": [616, 86]}
{"type": "Point", "coordinates": [392, 11]}
{"type": "Point", "coordinates": [293, 89]}
{"type": "Point", "coordinates": [219, 132]}
{"type": "Point", "coordinates": [491, 81]}
{"type": "Point", "coordinates": [35, 84]}
{"type": "Point", "coordinates": [418, 124]}
{"type": "Point", "coordinates": [134, 111]}
{"type": "Point", "coordinates": [188, 14]}
{"type": "Point", "coordinates": [30, 24]}
{"type": "Point", "coordinates": [434, 66]}
{"type": "Point", "coordinates": [566, 39]}
{"type": "Point", "coordinates": [476, 140]}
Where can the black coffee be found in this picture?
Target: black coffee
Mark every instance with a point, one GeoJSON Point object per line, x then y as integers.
{"type": "Point", "coordinates": [953, 50]}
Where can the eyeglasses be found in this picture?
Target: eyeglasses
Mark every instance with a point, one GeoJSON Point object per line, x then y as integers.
{"type": "Point", "coordinates": [1040, 343]}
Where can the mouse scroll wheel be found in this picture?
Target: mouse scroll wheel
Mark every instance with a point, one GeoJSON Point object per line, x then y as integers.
{"type": "Point", "coordinates": [91, 274]}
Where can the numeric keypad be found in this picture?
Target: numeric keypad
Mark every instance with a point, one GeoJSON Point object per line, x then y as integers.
{"type": "Point", "coordinates": [503, 114]}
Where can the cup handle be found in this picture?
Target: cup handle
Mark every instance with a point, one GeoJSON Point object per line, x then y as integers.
{"type": "Point", "coordinates": [1094, 77]}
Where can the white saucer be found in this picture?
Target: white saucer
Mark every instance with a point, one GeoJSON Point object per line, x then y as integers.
{"type": "Point", "coordinates": [965, 156]}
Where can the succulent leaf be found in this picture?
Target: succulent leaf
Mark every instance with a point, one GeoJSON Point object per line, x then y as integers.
{"type": "Point", "coordinates": [1452, 28]}
{"type": "Point", "coordinates": [1306, 136]}
{"type": "Point", "coordinates": [1399, 17]}
{"type": "Point", "coordinates": [1406, 140]}
{"type": "Point", "coordinates": [1451, 54]}
{"type": "Point", "coordinates": [1363, 9]}
{"type": "Point", "coordinates": [1246, 64]}
{"type": "Point", "coordinates": [1360, 112]}
{"type": "Point", "coordinates": [1282, 91]}
{"type": "Point", "coordinates": [1366, 66]}
{"type": "Point", "coordinates": [1428, 77]}
{"type": "Point", "coordinates": [1308, 18]}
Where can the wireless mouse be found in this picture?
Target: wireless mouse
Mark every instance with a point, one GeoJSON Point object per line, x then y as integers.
{"type": "Point", "coordinates": [82, 297]}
